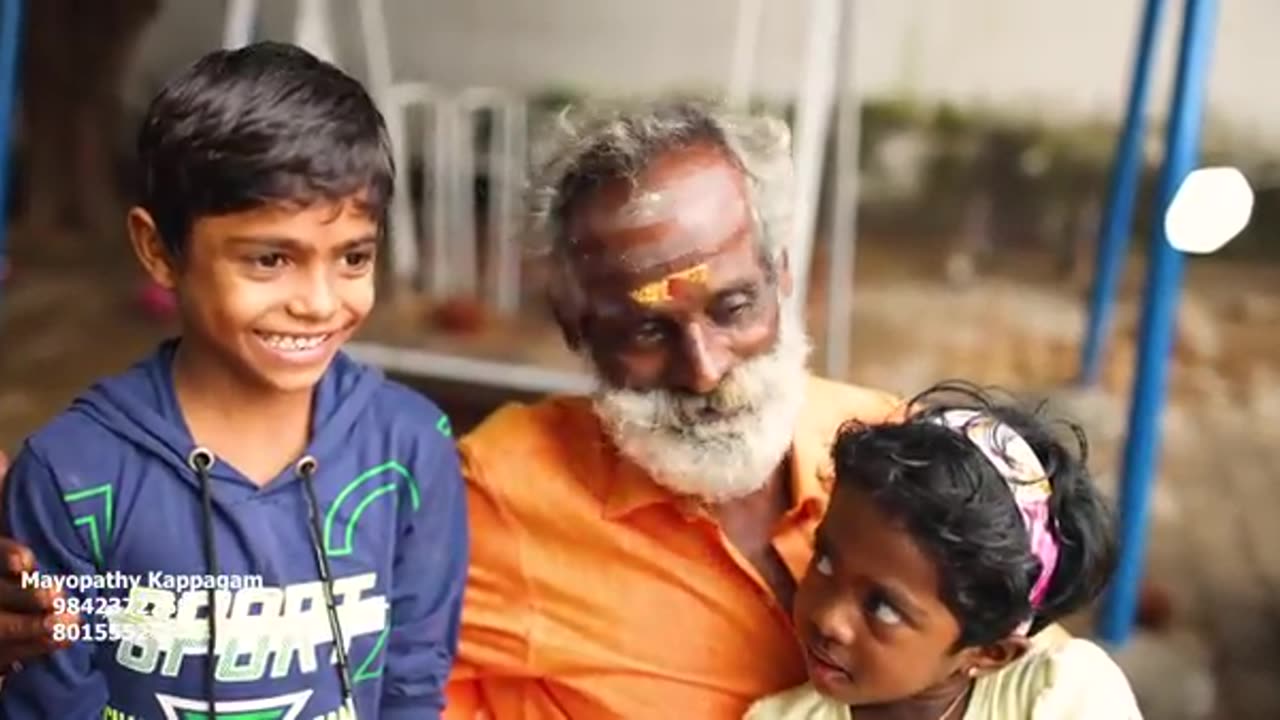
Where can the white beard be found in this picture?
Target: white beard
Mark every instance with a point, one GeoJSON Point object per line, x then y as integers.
{"type": "Point", "coordinates": [724, 445]}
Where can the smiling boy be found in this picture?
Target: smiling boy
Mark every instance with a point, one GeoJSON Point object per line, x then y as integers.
{"type": "Point", "coordinates": [312, 510]}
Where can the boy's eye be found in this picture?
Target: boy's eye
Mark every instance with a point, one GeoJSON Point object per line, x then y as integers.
{"type": "Point", "coordinates": [884, 613]}
{"type": "Point", "coordinates": [823, 565]}
{"type": "Point", "coordinates": [269, 261]}
{"type": "Point", "coordinates": [358, 259]}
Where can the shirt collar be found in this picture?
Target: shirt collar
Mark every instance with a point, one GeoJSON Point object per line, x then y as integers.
{"type": "Point", "coordinates": [812, 476]}
{"type": "Point", "coordinates": [632, 489]}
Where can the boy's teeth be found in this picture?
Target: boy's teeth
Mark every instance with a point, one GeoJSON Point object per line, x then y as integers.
{"type": "Point", "coordinates": [294, 342]}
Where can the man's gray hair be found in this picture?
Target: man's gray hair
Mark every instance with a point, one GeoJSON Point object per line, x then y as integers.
{"type": "Point", "coordinates": [599, 143]}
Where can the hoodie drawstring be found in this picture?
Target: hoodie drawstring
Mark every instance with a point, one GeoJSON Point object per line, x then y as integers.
{"type": "Point", "coordinates": [201, 461]}
{"type": "Point", "coordinates": [306, 469]}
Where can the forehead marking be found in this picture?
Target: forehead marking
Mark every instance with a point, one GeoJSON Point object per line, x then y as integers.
{"type": "Point", "coordinates": [676, 285]}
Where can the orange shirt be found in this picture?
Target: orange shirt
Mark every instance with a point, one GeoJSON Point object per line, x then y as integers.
{"type": "Point", "coordinates": [595, 593]}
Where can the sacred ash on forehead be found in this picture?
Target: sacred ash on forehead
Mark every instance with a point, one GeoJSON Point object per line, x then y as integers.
{"type": "Point", "coordinates": [690, 203]}
{"type": "Point", "coordinates": [598, 142]}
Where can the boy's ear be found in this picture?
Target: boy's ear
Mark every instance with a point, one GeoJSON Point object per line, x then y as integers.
{"type": "Point", "coordinates": [990, 658]}
{"type": "Point", "coordinates": [150, 249]}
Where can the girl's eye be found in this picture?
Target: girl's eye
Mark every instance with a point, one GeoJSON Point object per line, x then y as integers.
{"type": "Point", "coordinates": [823, 565]}
{"type": "Point", "coordinates": [885, 614]}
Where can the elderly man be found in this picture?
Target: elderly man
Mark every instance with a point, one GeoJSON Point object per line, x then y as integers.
{"type": "Point", "coordinates": [634, 553]}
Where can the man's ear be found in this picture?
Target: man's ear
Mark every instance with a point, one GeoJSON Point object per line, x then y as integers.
{"type": "Point", "coordinates": [568, 304]}
{"type": "Point", "coordinates": [569, 321]}
{"type": "Point", "coordinates": [785, 280]}
{"type": "Point", "coordinates": [150, 249]}
{"type": "Point", "coordinates": [990, 658]}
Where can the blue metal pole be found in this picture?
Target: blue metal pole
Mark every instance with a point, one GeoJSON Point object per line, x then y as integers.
{"type": "Point", "coordinates": [10, 38]}
{"type": "Point", "coordinates": [1159, 316]}
{"type": "Point", "coordinates": [1117, 218]}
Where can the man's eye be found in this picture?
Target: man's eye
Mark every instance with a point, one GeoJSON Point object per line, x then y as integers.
{"type": "Point", "coordinates": [734, 311]}
{"type": "Point", "coordinates": [648, 334]}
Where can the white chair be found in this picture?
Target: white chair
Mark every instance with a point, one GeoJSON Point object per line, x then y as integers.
{"type": "Point", "coordinates": [450, 262]}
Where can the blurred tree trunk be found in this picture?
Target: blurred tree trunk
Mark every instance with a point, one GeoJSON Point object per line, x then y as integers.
{"type": "Point", "coordinates": [77, 53]}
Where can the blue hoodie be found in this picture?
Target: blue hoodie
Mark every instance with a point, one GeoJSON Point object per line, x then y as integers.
{"type": "Point", "coordinates": [110, 496]}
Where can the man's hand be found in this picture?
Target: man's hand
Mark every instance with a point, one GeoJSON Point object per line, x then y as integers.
{"type": "Point", "coordinates": [27, 615]}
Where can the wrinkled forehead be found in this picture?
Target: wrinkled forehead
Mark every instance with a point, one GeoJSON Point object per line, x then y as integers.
{"type": "Point", "coordinates": [687, 207]}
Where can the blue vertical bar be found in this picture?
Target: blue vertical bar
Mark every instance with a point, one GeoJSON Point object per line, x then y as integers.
{"type": "Point", "coordinates": [10, 38]}
{"type": "Point", "coordinates": [1117, 218]}
{"type": "Point", "coordinates": [1159, 316]}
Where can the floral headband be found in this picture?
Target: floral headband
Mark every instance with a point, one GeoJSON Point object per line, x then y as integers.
{"type": "Point", "coordinates": [1025, 477]}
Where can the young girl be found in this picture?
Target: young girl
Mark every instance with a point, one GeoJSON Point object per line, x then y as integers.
{"type": "Point", "coordinates": [954, 539]}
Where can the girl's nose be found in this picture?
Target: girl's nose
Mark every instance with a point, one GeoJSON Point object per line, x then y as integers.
{"type": "Point", "coordinates": [835, 624]}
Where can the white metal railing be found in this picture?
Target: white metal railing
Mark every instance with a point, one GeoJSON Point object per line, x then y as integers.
{"type": "Point", "coordinates": [447, 222]}
{"type": "Point", "coordinates": [507, 168]}
{"type": "Point", "coordinates": [442, 256]}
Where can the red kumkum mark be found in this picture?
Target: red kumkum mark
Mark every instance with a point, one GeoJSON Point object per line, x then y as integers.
{"type": "Point", "coordinates": [677, 285]}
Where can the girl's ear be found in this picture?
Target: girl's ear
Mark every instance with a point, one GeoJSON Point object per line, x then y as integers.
{"type": "Point", "coordinates": [990, 658]}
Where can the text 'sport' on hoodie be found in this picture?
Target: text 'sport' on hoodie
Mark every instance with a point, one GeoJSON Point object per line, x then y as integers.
{"type": "Point", "coordinates": [363, 537]}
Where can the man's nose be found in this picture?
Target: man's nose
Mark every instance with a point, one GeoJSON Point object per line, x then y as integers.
{"type": "Point", "coordinates": [707, 360]}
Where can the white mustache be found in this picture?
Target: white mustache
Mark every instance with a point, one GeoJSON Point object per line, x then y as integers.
{"type": "Point", "coordinates": [720, 445]}
{"type": "Point", "coordinates": [677, 412]}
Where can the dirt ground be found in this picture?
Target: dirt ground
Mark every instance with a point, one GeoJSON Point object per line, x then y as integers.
{"type": "Point", "coordinates": [68, 316]}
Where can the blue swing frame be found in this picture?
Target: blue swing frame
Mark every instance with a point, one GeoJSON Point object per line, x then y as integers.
{"type": "Point", "coordinates": [1163, 288]}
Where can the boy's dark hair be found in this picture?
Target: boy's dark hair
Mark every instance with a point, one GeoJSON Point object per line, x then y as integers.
{"type": "Point", "coordinates": [267, 123]}
{"type": "Point", "coordinates": [960, 510]}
